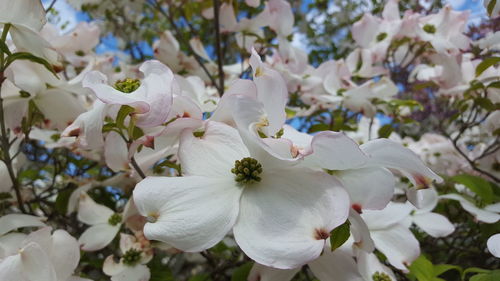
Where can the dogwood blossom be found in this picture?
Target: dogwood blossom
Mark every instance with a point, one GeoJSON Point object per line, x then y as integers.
{"type": "Point", "coordinates": [253, 194]}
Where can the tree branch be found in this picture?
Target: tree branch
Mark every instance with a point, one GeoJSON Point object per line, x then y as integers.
{"type": "Point", "coordinates": [218, 48]}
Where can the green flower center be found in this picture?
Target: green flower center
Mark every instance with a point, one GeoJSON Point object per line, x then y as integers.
{"type": "Point", "coordinates": [380, 276]}
{"type": "Point", "coordinates": [80, 53]}
{"type": "Point", "coordinates": [381, 36]}
{"type": "Point", "coordinates": [115, 219]}
{"type": "Point", "coordinates": [127, 85]}
{"type": "Point", "coordinates": [131, 257]}
{"type": "Point", "coordinates": [247, 170]}
{"type": "Point", "coordinates": [429, 28]}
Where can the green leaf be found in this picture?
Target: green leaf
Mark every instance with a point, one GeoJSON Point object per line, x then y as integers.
{"type": "Point", "coordinates": [339, 235]}
{"type": "Point", "coordinates": [200, 277]}
{"type": "Point", "coordinates": [385, 131]}
{"type": "Point", "coordinates": [478, 185]}
{"type": "Point", "coordinates": [63, 198]}
{"type": "Point", "coordinates": [241, 272]}
{"type": "Point", "coordinates": [495, 84]}
{"type": "Point", "coordinates": [473, 270]}
{"type": "Point", "coordinates": [485, 64]}
{"type": "Point", "coordinates": [27, 56]}
{"type": "Point", "coordinates": [442, 268]}
{"type": "Point", "coordinates": [318, 127]}
{"type": "Point", "coordinates": [490, 276]}
{"type": "Point", "coordinates": [160, 272]}
{"type": "Point", "coordinates": [422, 269]}
{"type": "Point", "coordinates": [407, 103]}
{"type": "Point", "coordinates": [485, 103]}
{"type": "Point", "coordinates": [124, 111]}
{"type": "Point", "coordinates": [491, 6]}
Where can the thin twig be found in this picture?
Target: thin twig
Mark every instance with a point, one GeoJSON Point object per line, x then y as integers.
{"type": "Point", "coordinates": [179, 36]}
{"type": "Point", "coordinates": [218, 47]}
{"type": "Point", "coordinates": [6, 158]}
{"type": "Point", "coordinates": [51, 5]}
{"type": "Point", "coordinates": [137, 168]}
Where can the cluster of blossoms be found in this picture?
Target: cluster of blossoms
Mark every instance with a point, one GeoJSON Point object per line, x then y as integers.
{"type": "Point", "coordinates": [205, 164]}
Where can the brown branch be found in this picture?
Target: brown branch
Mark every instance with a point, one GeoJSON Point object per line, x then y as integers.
{"type": "Point", "coordinates": [183, 41]}
{"type": "Point", "coordinates": [137, 168]}
{"type": "Point", "coordinates": [5, 144]}
{"type": "Point", "coordinates": [218, 48]}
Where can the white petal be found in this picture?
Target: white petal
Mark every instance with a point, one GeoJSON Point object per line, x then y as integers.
{"type": "Point", "coordinates": [336, 266]}
{"type": "Point", "coordinates": [263, 273]}
{"type": "Point", "coordinates": [494, 245]}
{"type": "Point", "coordinates": [435, 225]}
{"type": "Point", "coordinates": [393, 155]}
{"type": "Point", "coordinates": [192, 213]}
{"type": "Point", "coordinates": [135, 273]}
{"type": "Point", "coordinates": [97, 82]}
{"type": "Point", "coordinates": [480, 214]}
{"type": "Point", "coordinates": [42, 238]}
{"type": "Point", "coordinates": [360, 232]}
{"type": "Point", "coordinates": [116, 152]}
{"type": "Point", "coordinates": [392, 214]}
{"type": "Point", "coordinates": [427, 201]}
{"type": "Point", "coordinates": [223, 112]}
{"type": "Point", "coordinates": [75, 196]}
{"type": "Point", "coordinates": [335, 151]}
{"type": "Point", "coordinates": [398, 244]}
{"type": "Point", "coordinates": [126, 242]}
{"type": "Point", "coordinates": [110, 267]}
{"type": "Point", "coordinates": [11, 243]}
{"type": "Point", "coordinates": [65, 254]}
{"type": "Point", "coordinates": [68, 107]}
{"type": "Point", "coordinates": [368, 264]}
{"type": "Point", "coordinates": [88, 127]}
{"type": "Point", "coordinates": [271, 91]}
{"type": "Point", "coordinates": [214, 153]}
{"type": "Point", "coordinates": [28, 40]}
{"type": "Point", "coordinates": [11, 269]}
{"type": "Point", "coordinates": [160, 86]}
{"type": "Point", "coordinates": [36, 264]}
{"type": "Point", "coordinates": [284, 225]}
{"type": "Point", "coordinates": [369, 188]}
{"type": "Point", "coordinates": [493, 207]}
{"type": "Point", "coordinates": [90, 212]}
{"type": "Point", "coordinates": [98, 236]}
{"type": "Point", "coordinates": [13, 221]}
{"type": "Point", "coordinates": [29, 13]}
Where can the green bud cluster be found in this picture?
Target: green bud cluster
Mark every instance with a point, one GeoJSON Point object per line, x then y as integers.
{"type": "Point", "coordinates": [381, 276]}
{"type": "Point", "coordinates": [429, 28]}
{"type": "Point", "coordinates": [80, 53]}
{"type": "Point", "coordinates": [131, 257]}
{"type": "Point", "coordinates": [127, 85]}
{"type": "Point", "coordinates": [115, 219]}
{"type": "Point", "coordinates": [381, 36]}
{"type": "Point", "coordinates": [247, 170]}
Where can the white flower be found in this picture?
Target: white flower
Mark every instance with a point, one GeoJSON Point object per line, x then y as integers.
{"type": "Point", "coordinates": [494, 245]}
{"type": "Point", "coordinates": [41, 256]}
{"type": "Point", "coordinates": [434, 224]}
{"type": "Point", "coordinates": [337, 265]}
{"type": "Point", "coordinates": [151, 98]}
{"type": "Point", "coordinates": [105, 224]}
{"type": "Point", "coordinates": [390, 233]}
{"type": "Point", "coordinates": [488, 214]}
{"type": "Point", "coordinates": [27, 17]}
{"type": "Point", "coordinates": [131, 267]}
{"type": "Point", "coordinates": [281, 215]}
